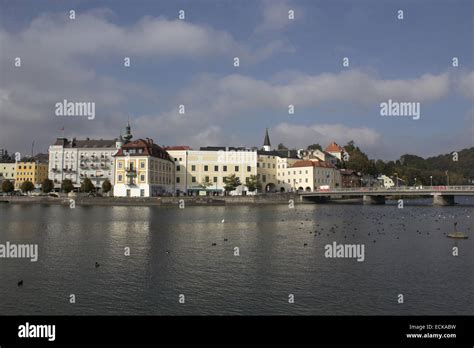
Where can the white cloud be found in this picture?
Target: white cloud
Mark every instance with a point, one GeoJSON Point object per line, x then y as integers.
{"type": "Point", "coordinates": [466, 85]}
{"type": "Point", "coordinates": [275, 15]}
{"type": "Point", "coordinates": [233, 93]}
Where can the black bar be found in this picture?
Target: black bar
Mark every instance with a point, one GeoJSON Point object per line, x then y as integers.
{"type": "Point", "coordinates": [224, 330]}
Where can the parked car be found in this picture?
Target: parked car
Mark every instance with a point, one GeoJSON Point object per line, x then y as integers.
{"type": "Point", "coordinates": [53, 194]}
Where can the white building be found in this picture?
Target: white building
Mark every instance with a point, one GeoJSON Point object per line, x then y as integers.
{"type": "Point", "coordinates": [79, 159]}
{"type": "Point", "coordinates": [335, 150]}
{"type": "Point", "coordinates": [143, 169]}
{"type": "Point", "coordinates": [386, 181]}
{"type": "Point", "coordinates": [306, 175]}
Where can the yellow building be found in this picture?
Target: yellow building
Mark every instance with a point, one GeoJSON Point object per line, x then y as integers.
{"type": "Point", "coordinates": [206, 169]}
{"type": "Point", "coordinates": [35, 172]}
{"type": "Point", "coordinates": [271, 166]}
{"type": "Point", "coordinates": [143, 169]}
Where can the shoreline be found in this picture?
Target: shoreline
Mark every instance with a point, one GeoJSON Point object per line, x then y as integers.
{"type": "Point", "coordinates": [266, 199]}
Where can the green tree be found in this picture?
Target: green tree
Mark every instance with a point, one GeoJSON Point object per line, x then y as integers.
{"type": "Point", "coordinates": [253, 183]}
{"type": "Point", "coordinates": [231, 182]}
{"type": "Point", "coordinates": [315, 147]}
{"type": "Point", "coordinates": [67, 186]}
{"type": "Point", "coordinates": [281, 146]}
{"type": "Point", "coordinates": [27, 186]}
{"type": "Point", "coordinates": [106, 186]}
{"type": "Point", "coordinates": [205, 184]}
{"type": "Point", "coordinates": [47, 185]}
{"type": "Point", "coordinates": [87, 186]}
{"type": "Point", "coordinates": [7, 186]}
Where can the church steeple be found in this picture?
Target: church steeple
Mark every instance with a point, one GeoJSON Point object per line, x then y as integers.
{"type": "Point", "coordinates": [266, 142]}
{"type": "Point", "coordinates": [127, 135]}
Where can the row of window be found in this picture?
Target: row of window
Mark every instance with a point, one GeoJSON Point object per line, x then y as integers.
{"type": "Point", "coordinates": [316, 181]}
{"type": "Point", "coordinates": [154, 179]}
{"type": "Point", "coordinates": [83, 155]}
{"type": "Point", "coordinates": [268, 166]}
{"type": "Point", "coordinates": [216, 168]}
{"type": "Point", "coordinates": [207, 179]}
{"type": "Point", "coordinates": [327, 172]}
{"type": "Point", "coordinates": [159, 166]}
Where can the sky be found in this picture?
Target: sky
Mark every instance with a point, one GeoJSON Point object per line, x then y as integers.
{"type": "Point", "coordinates": [283, 62]}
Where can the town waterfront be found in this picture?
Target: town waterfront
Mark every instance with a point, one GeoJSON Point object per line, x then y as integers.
{"type": "Point", "coordinates": [281, 253]}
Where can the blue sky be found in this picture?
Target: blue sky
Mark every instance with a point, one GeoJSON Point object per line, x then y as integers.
{"type": "Point", "coordinates": [283, 61]}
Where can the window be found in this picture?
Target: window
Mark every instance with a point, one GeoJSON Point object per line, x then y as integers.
{"type": "Point", "coordinates": [193, 179]}
{"type": "Point", "coordinates": [263, 165]}
{"type": "Point", "coordinates": [142, 165]}
{"type": "Point", "coordinates": [206, 168]}
{"type": "Point", "coordinates": [207, 179]}
{"type": "Point", "coordinates": [193, 168]}
{"type": "Point", "coordinates": [142, 193]}
{"type": "Point", "coordinates": [264, 178]}
{"type": "Point", "coordinates": [142, 177]}
{"type": "Point", "coordinates": [178, 168]}
{"type": "Point", "coordinates": [215, 179]}
{"type": "Point", "coordinates": [128, 192]}
{"type": "Point", "coordinates": [216, 168]}
{"type": "Point", "coordinates": [249, 168]}
{"type": "Point", "coordinates": [178, 179]}
{"type": "Point", "coordinates": [120, 165]}
{"type": "Point", "coordinates": [236, 168]}
{"type": "Point", "coordinates": [224, 168]}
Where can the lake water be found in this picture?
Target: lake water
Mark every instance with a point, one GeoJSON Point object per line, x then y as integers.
{"type": "Point", "coordinates": [406, 252]}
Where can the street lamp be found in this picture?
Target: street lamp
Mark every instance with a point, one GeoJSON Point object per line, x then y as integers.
{"type": "Point", "coordinates": [396, 175]}
{"type": "Point", "coordinates": [447, 177]}
{"type": "Point", "coordinates": [415, 182]}
{"type": "Point", "coordinates": [431, 180]}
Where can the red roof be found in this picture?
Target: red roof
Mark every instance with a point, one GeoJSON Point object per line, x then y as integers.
{"type": "Point", "coordinates": [308, 163]}
{"type": "Point", "coordinates": [333, 147]}
{"type": "Point", "coordinates": [179, 147]}
{"type": "Point", "coordinates": [147, 147]}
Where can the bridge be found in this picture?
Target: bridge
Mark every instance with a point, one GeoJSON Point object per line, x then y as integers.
{"type": "Point", "coordinates": [442, 195]}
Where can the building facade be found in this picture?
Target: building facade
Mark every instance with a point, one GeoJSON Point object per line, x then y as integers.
{"type": "Point", "coordinates": [143, 169]}
{"type": "Point", "coordinates": [77, 160]}
{"type": "Point", "coordinates": [204, 170]}
{"type": "Point", "coordinates": [34, 171]}
{"type": "Point", "coordinates": [306, 175]}
{"type": "Point", "coordinates": [7, 171]}
{"type": "Point", "coordinates": [351, 178]}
